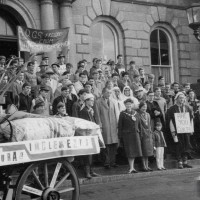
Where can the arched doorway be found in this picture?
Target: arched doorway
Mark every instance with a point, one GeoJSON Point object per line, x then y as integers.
{"type": "Point", "coordinates": [9, 20]}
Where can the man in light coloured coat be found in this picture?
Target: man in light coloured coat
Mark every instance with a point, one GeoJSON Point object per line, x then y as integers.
{"type": "Point", "coordinates": [108, 117]}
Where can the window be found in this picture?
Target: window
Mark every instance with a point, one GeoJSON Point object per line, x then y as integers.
{"type": "Point", "coordinates": [104, 41]}
{"type": "Point", "coordinates": [161, 54]}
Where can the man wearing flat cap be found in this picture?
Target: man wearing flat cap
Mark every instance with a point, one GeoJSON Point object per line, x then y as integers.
{"type": "Point", "coordinates": [43, 67]}
{"type": "Point", "coordinates": [136, 84]}
{"type": "Point", "coordinates": [39, 107]}
{"type": "Point", "coordinates": [43, 94]}
{"type": "Point", "coordinates": [181, 140]}
{"type": "Point", "coordinates": [44, 82]}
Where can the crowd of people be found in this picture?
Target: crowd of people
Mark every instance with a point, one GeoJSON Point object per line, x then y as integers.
{"type": "Point", "coordinates": [134, 112]}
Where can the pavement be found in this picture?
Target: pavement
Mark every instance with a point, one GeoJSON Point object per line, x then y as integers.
{"type": "Point", "coordinates": [166, 185]}
{"type": "Point", "coordinates": [120, 173]}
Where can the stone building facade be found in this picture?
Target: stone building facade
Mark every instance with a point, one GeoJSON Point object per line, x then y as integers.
{"type": "Point", "coordinates": [153, 33]}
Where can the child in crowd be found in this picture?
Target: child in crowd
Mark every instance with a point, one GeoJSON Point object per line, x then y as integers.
{"type": "Point", "coordinates": [159, 145]}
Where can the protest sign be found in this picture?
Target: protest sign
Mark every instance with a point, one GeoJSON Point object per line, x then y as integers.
{"type": "Point", "coordinates": [183, 123]}
{"type": "Point", "coordinates": [36, 41]}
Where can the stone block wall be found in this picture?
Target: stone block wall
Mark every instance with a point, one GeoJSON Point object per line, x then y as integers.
{"type": "Point", "coordinates": [136, 22]}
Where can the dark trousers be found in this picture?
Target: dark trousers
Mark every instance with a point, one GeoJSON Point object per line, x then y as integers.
{"type": "Point", "coordinates": [181, 155]}
{"type": "Point", "coordinates": [110, 154]}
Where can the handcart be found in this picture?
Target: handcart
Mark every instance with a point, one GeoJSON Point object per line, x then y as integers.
{"type": "Point", "coordinates": [42, 169]}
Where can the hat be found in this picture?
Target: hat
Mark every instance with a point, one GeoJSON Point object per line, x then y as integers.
{"type": "Point", "coordinates": [69, 83]}
{"type": "Point", "coordinates": [43, 63]}
{"type": "Point", "coordinates": [2, 57]}
{"type": "Point", "coordinates": [88, 83]}
{"type": "Point", "coordinates": [116, 88]}
{"type": "Point", "coordinates": [38, 102]}
{"type": "Point", "coordinates": [82, 91]}
{"type": "Point", "coordinates": [45, 88]}
{"type": "Point", "coordinates": [89, 96]}
{"type": "Point", "coordinates": [44, 76]}
{"type": "Point", "coordinates": [49, 71]}
{"type": "Point", "coordinates": [129, 100]}
{"type": "Point", "coordinates": [178, 94]}
{"type": "Point", "coordinates": [160, 77]}
{"type": "Point", "coordinates": [56, 65]}
{"type": "Point", "coordinates": [151, 76]}
{"type": "Point", "coordinates": [139, 89]}
{"type": "Point", "coordinates": [64, 88]}
{"type": "Point", "coordinates": [60, 56]}
{"type": "Point", "coordinates": [60, 104]}
{"type": "Point", "coordinates": [45, 57]}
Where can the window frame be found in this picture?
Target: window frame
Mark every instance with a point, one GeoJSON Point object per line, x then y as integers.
{"type": "Point", "coordinates": [171, 59]}
{"type": "Point", "coordinates": [117, 31]}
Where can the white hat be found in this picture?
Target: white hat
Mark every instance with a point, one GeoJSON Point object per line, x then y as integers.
{"type": "Point", "coordinates": [178, 94]}
{"type": "Point", "coordinates": [89, 96]}
{"type": "Point", "coordinates": [116, 88]}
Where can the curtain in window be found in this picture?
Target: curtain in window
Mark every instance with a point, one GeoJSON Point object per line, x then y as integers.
{"type": "Point", "coordinates": [164, 71]}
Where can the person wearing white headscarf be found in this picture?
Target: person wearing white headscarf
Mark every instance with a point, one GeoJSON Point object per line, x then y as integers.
{"type": "Point", "coordinates": [118, 100]}
{"type": "Point", "coordinates": [128, 93]}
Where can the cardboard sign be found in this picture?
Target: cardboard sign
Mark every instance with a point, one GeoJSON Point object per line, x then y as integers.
{"type": "Point", "coordinates": [183, 123]}
{"type": "Point", "coordinates": [35, 150]}
{"type": "Point", "coordinates": [36, 41]}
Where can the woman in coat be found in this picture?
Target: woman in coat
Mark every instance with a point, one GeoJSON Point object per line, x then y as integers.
{"type": "Point", "coordinates": [129, 134]}
{"type": "Point", "coordinates": [146, 135]}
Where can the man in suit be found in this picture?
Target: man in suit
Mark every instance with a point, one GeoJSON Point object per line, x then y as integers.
{"type": "Point", "coordinates": [67, 98]}
{"type": "Point", "coordinates": [17, 85]}
{"type": "Point", "coordinates": [108, 117]}
{"type": "Point", "coordinates": [24, 100]}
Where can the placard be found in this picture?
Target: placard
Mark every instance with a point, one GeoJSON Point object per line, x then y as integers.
{"type": "Point", "coordinates": [183, 123]}
{"type": "Point", "coordinates": [36, 41]}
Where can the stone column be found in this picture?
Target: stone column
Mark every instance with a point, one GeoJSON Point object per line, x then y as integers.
{"type": "Point", "coordinates": [66, 20]}
{"type": "Point", "coordinates": [47, 22]}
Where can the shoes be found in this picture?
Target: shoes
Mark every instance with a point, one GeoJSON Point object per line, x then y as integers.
{"type": "Point", "coordinates": [187, 166]}
{"type": "Point", "coordinates": [159, 169]}
{"type": "Point", "coordinates": [163, 168]}
{"type": "Point", "coordinates": [107, 167]}
{"type": "Point", "coordinates": [87, 172]}
{"type": "Point", "coordinates": [115, 165]}
{"type": "Point", "coordinates": [93, 174]}
{"type": "Point", "coordinates": [149, 169]}
{"type": "Point", "coordinates": [133, 171]}
{"type": "Point", "coordinates": [144, 170]}
{"type": "Point", "coordinates": [180, 166]}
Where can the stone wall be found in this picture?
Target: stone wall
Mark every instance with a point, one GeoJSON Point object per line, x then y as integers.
{"type": "Point", "coordinates": [136, 22]}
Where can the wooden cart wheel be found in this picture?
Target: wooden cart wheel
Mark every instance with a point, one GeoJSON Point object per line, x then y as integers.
{"type": "Point", "coordinates": [50, 180]}
{"type": "Point", "coordinates": [6, 125]}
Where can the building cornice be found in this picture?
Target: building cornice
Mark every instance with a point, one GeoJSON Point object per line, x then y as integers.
{"type": "Point", "coordinates": [184, 7]}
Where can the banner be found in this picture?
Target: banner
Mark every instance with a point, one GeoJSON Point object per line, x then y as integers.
{"type": "Point", "coordinates": [29, 151]}
{"type": "Point", "coordinates": [36, 41]}
{"type": "Point", "coordinates": [183, 123]}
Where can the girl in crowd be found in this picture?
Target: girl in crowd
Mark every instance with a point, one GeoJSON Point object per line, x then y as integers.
{"type": "Point", "coordinates": [159, 145]}
{"type": "Point", "coordinates": [146, 135]}
{"type": "Point", "coordinates": [128, 133]}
